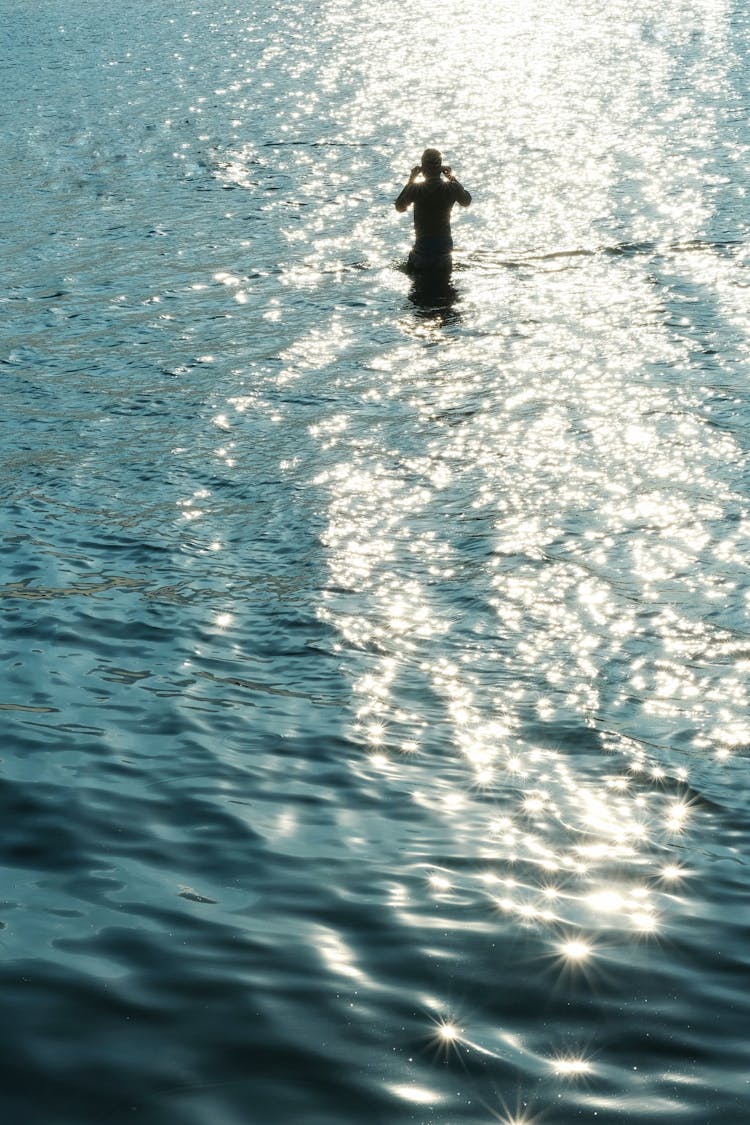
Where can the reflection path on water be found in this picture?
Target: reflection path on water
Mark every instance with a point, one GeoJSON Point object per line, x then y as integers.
{"type": "Point", "coordinates": [535, 527]}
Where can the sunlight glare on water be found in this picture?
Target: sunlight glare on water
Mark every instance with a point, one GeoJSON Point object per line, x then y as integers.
{"type": "Point", "coordinates": [393, 652]}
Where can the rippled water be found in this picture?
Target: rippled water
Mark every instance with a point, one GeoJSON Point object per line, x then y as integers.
{"type": "Point", "coordinates": [375, 698]}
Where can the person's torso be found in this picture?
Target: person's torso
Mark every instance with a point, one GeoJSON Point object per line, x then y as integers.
{"type": "Point", "coordinates": [433, 201]}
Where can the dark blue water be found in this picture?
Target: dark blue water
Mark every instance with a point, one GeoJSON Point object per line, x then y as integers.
{"type": "Point", "coordinates": [375, 695]}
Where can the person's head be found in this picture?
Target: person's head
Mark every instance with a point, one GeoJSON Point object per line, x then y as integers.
{"type": "Point", "coordinates": [432, 162]}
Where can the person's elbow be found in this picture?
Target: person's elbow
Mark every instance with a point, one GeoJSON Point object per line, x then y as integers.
{"type": "Point", "coordinates": [466, 199]}
{"type": "Point", "coordinates": [400, 205]}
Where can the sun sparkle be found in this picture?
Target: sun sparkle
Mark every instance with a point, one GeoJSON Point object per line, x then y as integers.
{"type": "Point", "coordinates": [677, 815]}
{"type": "Point", "coordinates": [570, 1066]}
{"type": "Point", "coordinates": [672, 872]}
{"type": "Point", "coordinates": [439, 882]}
{"type": "Point", "coordinates": [575, 950]}
{"type": "Point", "coordinates": [645, 922]}
{"type": "Point", "coordinates": [448, 1032]}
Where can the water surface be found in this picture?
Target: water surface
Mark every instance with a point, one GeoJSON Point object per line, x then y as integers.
{"type": "Point", "coordinates": [375, 697]}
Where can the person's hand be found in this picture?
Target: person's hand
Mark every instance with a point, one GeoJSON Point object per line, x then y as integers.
{"type": "Point", "coordinates": [448, 172]}
{"type": "Point", "coordinates": [415, 171]}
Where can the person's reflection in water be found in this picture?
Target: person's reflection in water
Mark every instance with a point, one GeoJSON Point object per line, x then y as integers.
{"type": "Point", "coordinates": [431, 259]}
{"type": "Point", "coordinates": [434, 295]}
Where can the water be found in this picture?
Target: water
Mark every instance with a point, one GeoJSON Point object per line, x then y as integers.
{"type": "Point", "coordinates": [375, 698]}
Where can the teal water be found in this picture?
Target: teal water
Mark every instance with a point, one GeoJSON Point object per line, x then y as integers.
{"type": "Point", "coordinates": [375, 708]}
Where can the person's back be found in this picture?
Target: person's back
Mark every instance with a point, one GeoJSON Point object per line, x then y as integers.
{"type": "Point", "coordinates": [433, 200]}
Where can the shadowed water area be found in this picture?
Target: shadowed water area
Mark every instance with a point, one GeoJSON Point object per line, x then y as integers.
{"type": "Point", "coordinates": [375, 658]}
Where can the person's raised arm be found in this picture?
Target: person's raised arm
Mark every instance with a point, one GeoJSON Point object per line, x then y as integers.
{"type": "Point", "coordinates": [403, 200]}
{"type": "Point", "coordinates": [462, 195]}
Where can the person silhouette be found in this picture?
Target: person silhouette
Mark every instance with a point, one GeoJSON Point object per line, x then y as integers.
{"type": "Point", "coordinates": [433, 198]}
